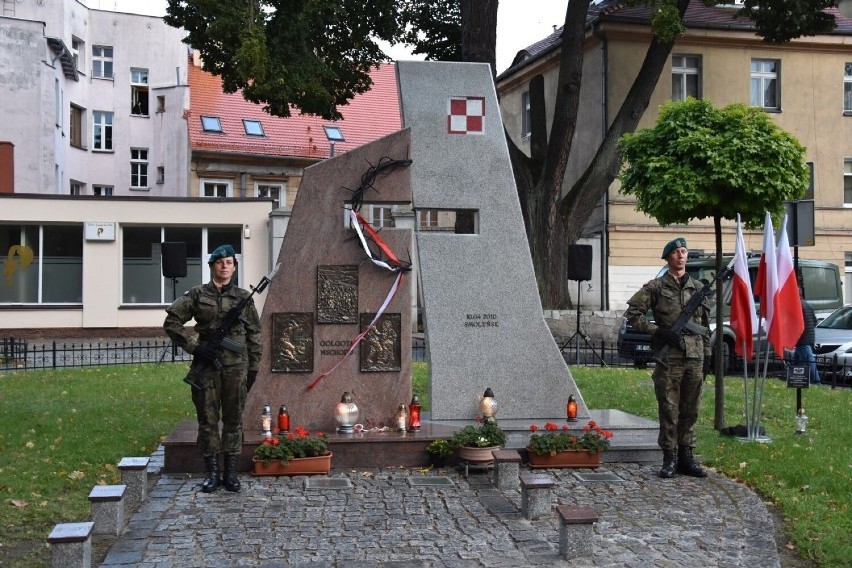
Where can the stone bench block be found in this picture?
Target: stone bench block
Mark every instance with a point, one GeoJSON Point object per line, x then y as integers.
{"type": "Point", "coordinates": [536, 495]}
{"type": "Point", "coordinates": [71, 545]}
{"type": "Point", "coordinates": [507, 465]}
{"type": "Point", "coordinates": [575, 530]}
{"type": "Point", "coordinates": [107, 502]}
{"type": "Point", "coordinates": [134, 474]}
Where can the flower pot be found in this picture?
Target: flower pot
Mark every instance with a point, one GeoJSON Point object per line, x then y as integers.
{"type": "Point", "coordinates": [567, 458]}
{"type": "Point", "coordinates": [296, 466]}
{"type": "Point", "coordinates": [477, 455]}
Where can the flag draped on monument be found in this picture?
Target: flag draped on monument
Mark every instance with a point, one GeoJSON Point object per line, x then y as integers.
{"type": "Point", "coordinates": [743, 316]}
{"type": "Point", "coordinates": [787, 320]}
{"type": "Point", "coordinates": [767, 275]}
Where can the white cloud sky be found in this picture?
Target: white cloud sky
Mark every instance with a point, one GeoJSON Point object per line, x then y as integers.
{"type": "Point", "coordinates": [519, 22]}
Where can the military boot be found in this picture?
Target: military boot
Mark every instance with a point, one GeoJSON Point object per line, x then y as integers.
{"type": "Point", "coordinates": [686, 463]}
{"type": "Point", "coordinates": [230, 479]}
{"type": "Point", "coordinates": [211, 480]}
{"type": "Point", "coordinates": [669, 464]}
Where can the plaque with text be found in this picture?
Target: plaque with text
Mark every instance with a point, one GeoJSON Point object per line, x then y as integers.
{"type": "Point", "coordinates": [292, 342]}
{"type": "Point", "coordinates": [380, 348]}
{"type": "Point", "coordinates": [337, 294]}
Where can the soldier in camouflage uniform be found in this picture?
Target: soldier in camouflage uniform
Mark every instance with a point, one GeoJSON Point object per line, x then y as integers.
{"type": "Point", "coordinates": [222, 376]}
{"type": "Point", "coordinates": [678, 388]}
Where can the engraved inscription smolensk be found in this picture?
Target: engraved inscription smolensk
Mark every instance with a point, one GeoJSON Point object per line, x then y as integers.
{"type": "Point", "coordinates": [380, 348]}
{"type": "Point", "coordinates": [293, 342]}
{"type": "Point", "coordinates": [337, 294]}
{"type": "Point", "coordinates": [481, 320]}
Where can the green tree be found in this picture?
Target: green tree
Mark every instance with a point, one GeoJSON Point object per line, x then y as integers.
{"type": "Point", "coordinates": [316, 55]}
{"type": "Point", "coordinates": [701, 161]}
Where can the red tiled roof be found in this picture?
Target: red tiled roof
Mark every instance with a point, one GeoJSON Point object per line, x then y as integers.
{"type": "Point", "coordinates": [367, 117]}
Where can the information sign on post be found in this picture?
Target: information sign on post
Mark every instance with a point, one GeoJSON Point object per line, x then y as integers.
{"type": "Point", "coordinates": [798, 376]}
{"type": "Point", "coordinates": [800, 222]}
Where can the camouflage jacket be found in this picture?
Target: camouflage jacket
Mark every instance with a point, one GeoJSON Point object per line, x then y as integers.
{"type": "Point", "coordinates": [208, 306]}
{"type": "Point", "coordinates": [666, 298]}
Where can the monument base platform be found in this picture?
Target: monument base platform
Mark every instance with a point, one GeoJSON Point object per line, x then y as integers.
{"type": "Point", "coordinates": [634, 440]}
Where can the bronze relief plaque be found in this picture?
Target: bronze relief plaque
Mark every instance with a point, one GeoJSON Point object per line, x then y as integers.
{"type": "Point", "coordinates": [293, 342]}
{"type": "Point", "coordinates": [337, 294]}
{"type": "Point", "coordinates": [380, 348]}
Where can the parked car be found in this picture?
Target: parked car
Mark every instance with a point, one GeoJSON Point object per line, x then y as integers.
{"type": "Point", "coordinates": [833, 345]}
{"type": "Point", "coordinates": [822, 290]}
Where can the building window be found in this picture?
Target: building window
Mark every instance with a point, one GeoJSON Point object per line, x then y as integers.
{"type": "Point", "coordinates": [380, 216]}
{"type": "Point", "coordinates": [75, 126]}
{"type": "Point", "coordinates": [211, 124]}
{"type": "Point", "coordinates": [142, 280]}
{"type": "Point", "coordinates": [76, 49]}
{"type": "Point", "coordinates": [55, 273]}
{"type": "Point", "coordinates": [104, 190]}
{"type": "Point", "coordinates": [161, 174]}
{"type": "Point", "coordinates": [102, 131]}
{"type": "Point", "coordinates": [139, 92]}
{"type": "Point", "coordinates": [102, 61]}
{"type": "Point", "coordinates": [215, 188]}
{"type": "Point", "coordinates": [686, 77]}
{"type": "Point", "coordinates": [76, 188]}
{"type": "Point", "coordinates": [847, 278]}
{"type": "Point", "coordinates": [847, 88]}
{"type": "Point", "coordinates": [138, 168]}
{"type": "Point", "coordinates": [253, 127]}
{"type": "Point", "coordinates": [766, 84]}
{"type": "Point", "coordinates": [161, 103]}
{"type": "Point", "coordinates": [427, 219]}
{"type": "Point", "coordinates": [276, 191]}
{"type": "Point", "coordinates": [526, 115]}
{"type": "Point", "coordinates": [847, 182]}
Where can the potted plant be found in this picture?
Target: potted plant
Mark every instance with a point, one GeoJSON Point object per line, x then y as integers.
{"type": "Point", "coordinates": [562, 447]}
{"type": "Point", "coordinates": [292, 453]}
{"type": "Point", "coordinates": [439, 450]}
{"type": "Point", "coordinates": [476, 442]}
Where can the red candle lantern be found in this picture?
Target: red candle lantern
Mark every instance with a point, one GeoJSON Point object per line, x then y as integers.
{"type": "Point", "coordinates": [571, 409]}
{"type": "Point", "coordinates": [283, 419]}
{"type": "Point", "coordinates": [414, 414]}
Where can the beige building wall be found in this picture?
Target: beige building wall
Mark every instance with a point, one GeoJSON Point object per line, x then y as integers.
{"type": "Point", "coordinates": [102, 305]}
{"type": "Point", "coordinates": [811, 77]}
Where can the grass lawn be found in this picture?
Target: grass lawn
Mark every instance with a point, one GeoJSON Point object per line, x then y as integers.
{"type": "Point", "coordinates": [61, 432]}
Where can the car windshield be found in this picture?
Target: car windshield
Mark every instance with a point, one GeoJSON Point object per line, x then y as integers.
{"type": "Point", "coordinates": [840, 319]}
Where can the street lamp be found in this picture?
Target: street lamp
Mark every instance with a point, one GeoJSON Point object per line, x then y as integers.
{"type": "Point", "coordinates": [334, 134]}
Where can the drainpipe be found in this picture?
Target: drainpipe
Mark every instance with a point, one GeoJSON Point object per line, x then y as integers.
{"type": "Point", "coordinates": [604, 112]}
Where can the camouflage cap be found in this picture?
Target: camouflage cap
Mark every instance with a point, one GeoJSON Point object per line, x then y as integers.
{"type": "Point", "coordinates": [672, 245]}
{"type": "Point", "coordinates": [223, 251]}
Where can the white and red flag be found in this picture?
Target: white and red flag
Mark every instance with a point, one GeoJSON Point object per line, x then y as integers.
{"type": "Point", "coordinates": [787, 320]}
{"type": "Point", "coordinates": [743, 316]}
{"type": "Point", "coordinates": [766, 282]}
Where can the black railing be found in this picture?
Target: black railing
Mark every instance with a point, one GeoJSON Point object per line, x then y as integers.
{"type": "Point", "coordinates": [22, 355]}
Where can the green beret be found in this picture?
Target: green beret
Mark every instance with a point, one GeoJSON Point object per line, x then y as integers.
{"type": "Point", "coordinates": [223, 251]}
{"type": "Point", "coordinates": [672, 245]}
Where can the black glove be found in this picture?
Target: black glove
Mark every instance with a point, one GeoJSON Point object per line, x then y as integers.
{"type": "Point", "coordinates": [205, 352]}
{"type": "Point", "coordinates": [250, 378]}
{"type": "Point", "coordinates": [707, 363]}
{"type": "Point", "coordinates": [669, 337]}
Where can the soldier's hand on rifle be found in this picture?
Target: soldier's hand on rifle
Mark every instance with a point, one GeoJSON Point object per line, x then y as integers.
{"type": "Point", "coordinates": [669, 337]}
{"type": "Point", "coordinates": [250, 378]}
{"type": "Point", "coordinates": [205, 352]}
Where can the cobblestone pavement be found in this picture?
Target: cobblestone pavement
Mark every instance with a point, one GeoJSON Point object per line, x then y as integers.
{"type": "Point", "coordinates": [387, 519]}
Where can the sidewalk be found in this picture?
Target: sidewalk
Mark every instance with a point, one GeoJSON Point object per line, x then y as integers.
{"type": "Point", "coordinates": [384, 519]}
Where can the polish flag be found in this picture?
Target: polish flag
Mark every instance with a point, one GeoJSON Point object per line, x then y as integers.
{"type": "Point", "coordinates": [766, 282]}
{"type": "Point", "coordinates": [787, 321]}
{"type": "Point", "coordinates": [743, 316]}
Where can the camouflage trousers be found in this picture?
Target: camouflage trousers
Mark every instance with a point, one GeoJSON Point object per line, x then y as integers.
{"type": "Point", "coordinates": [223, 392]}
{"type": "Point", "coordinates": [678, 391]}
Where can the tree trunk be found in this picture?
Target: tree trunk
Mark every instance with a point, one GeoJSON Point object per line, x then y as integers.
{"type": "Point", "coordinates": [719, 362]}
{"type": "Point", "coordinates": [479, 32]}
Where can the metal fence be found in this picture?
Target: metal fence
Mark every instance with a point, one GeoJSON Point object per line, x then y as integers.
{"type": "Point", "coordinates": [23, 355]}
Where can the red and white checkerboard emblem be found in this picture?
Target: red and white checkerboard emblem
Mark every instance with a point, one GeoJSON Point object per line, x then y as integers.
{"type": "Point", "coordinates": [466, 115]}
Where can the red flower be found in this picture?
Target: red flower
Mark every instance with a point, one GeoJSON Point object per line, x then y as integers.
{"type": "Point", "coordinates": [551, 426]}
{"type": "Point", "coordinates": [301, 432]}
{"type": "Point", "coordinates": [592, 424]}
{"type": "Point", "coordinates": [533, 428]}
{"type": "Point", "coordinates": [565, 427]}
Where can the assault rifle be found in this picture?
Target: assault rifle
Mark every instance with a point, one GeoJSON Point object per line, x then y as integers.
{"type": "Point", "coordinates": [684, 320]}
{"type": "Point", "coordinates": [219, 339]}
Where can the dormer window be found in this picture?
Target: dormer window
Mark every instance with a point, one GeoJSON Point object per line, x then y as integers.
{"type": "Point", "coordinates": [253, 127]}
{"type": "Point", "coordinates": [211, 124]}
